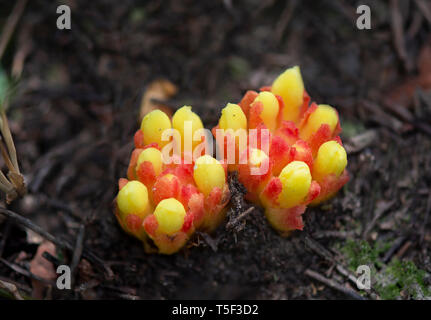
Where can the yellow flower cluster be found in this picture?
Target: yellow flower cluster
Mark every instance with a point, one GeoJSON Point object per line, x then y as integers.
{"type": "Point", "coordinates": [287, 152]}
{"type": "Point", "coordinates": [165, 198]}
{"type": "Point", "coordinates": [304, 159]}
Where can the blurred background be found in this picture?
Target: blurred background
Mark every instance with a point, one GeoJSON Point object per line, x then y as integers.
{"type": "Point", "coordinates": [76, 103]}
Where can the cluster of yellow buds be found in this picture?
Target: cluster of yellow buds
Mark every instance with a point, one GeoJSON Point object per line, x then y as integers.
{"type": "Point", "coordinates": [291, 154]}
{"type": "Point", "coordinates": [167, 196]}
{"type": "Point", "coordinates": [286, 150]}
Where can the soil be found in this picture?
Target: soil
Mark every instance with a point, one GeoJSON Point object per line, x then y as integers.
{"type": "Point", "coordinates": [76, 109]}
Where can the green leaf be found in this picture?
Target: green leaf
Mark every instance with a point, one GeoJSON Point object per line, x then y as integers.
{"type": "Point", "coordinates": [4, 86]}
{"type": "Point", "coordinates": [8, 87]}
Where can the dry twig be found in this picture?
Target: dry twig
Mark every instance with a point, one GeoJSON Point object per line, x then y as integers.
{"type": "Point", "coordinates": [11, 24]}
{"type": "Point", "coordinates": [61, 243]}
{"type": "Point", "coordinates": [425, 9]}
{"type": "Point", "coordinates": [13, 185]}
{"type": "Point", "coordinates": [398, 33]}
{"type": "Point", "coordinates": [333, 284]}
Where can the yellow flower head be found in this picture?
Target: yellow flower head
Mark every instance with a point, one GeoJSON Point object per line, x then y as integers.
{"type": "Point", "coordinates": [208, 173]}
{"type": "Point", "coordinates": [270, 109]}
{"type": "Point", "coordinates": [170, 215]}
{"type": "Point", "coordinates": [152, 155]}
{"type": "Point", "coordinates": [153, 125]}
{"type": "Point", "coordinates": [133, 198]}
{"type": "Point", "coordinates": [290, 87]}
{"type": "Point", "coordinates": [232, 117]}
{"type": "Point", "coordinates": [331, 159]}
{"type": "Point", "coordinates": [295, 180]}
{"type": "Point", "coordinates": [182, 118]}
{"type": "Point", "coordinates": [323, 114]}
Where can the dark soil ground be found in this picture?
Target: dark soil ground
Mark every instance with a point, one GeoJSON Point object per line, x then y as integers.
{"type": "Point", "coordinates": [76, 109]}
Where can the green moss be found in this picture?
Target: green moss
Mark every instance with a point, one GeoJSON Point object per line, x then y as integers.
{"type": "Point", "coordinates": [360, 253]}
{"type": "Point", "coordinates": [403, 276]}
{"type": "Point", "coordinates": [388, 280]}
{"type": "Point", "coordinates": [351, 128]}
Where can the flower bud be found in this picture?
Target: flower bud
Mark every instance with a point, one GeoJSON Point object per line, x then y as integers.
{"type": "Point", "coordinates": [208, 174]}
{"type": "Point", "coordinates": [153, 156]}
{"type": "Point", "coordinates": [232, 117]}
{"type": "Point", "coordinates": [268, 108]}
{"type": "Point", "coordinates": [331, 160]}
{"type": "Point", "coordinates": [133, 198]}
{"type": "Point", "coordinates": [290, 87]}
{"type": "Point", "coordinates": [132, 207]}
{"type": "Point", "coordinates": [153, 125]}
{"type": "Point", "coordinates": [170, 214]}
{"type": "Point", "coordinates": [167, 243]}
{"type": "Point", "coordinates": [183, 118]}
{"type": "Point", "coordinates": [231, 134]}
{"type": "Point", "coordinates": [295, 179]}
{"type": "Point", "coordinates": [329, 170]}
{"type": "Point", "coordinates": [323, 115]}
{"type": "Point", "coordinates": [285, 219]}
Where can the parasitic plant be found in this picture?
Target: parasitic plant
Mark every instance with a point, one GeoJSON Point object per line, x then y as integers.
{"type": "Point", "coordinates": [172, 188]}
{"type": "Point", "coordinates": [286, 150]}
{"type": "Point", "coordinates": [290, 155]}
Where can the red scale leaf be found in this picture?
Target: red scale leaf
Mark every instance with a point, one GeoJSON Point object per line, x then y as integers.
{"type": "Point", "coordinates": [254, 119]}
{"type": "Point", "coordinates": [146, 173]}
{"type": "Point", "coordinates": [321, 136]}
{"type": "Point", "coordinates": [305, 105]}
{"type": "Point", "coordinates": [331, 184]}
{"type": "Point", "coordinates": [338, 139]}
{"type": "Point", "coordinates": [280, 109]}
{"type": "Point", "coordinates": [121, 183]}
{"type": "Point", "coordinates": [294, 218]}
{"type": "Point", "coordinates": [265, 88]}
{"type": "Point", "coordinates": [312, 108]}
{"type": "Point", "coordinates": [196, 206]}
{"type": "Point", "coordinates": [131, 170]}
{"type": "Point", "coordinates": [139, 139]}
{"type": "Point", "coordinates": [272, 190]}
{"type": "Point", "coordinates": [188, 221]}
{"type": "Point", "coordinates": [186, 193]}
{"type": "Point", "coordinates": [133, 222]}
{"type": "Point", "coordinates": [213, 200]}
{"type": "Point", "coordinates": [281, 154]}
{"type": "Point", "coordinates": [314, 192]}
{"type": "Point", "coordinates": [303, 153]}
{"type": "Point", "coordinates": [165, 188]}
{"type": "Point", "coordinates": [184, 172]}
{"type": "Point", "coordinates": [288, 131]}
{"type": "Point", "coordinates": [151, 225]}
{"type": "Point", "coordinates": [247, 100]}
